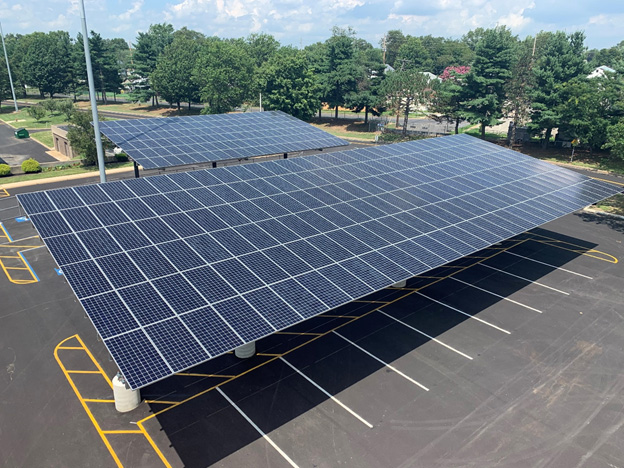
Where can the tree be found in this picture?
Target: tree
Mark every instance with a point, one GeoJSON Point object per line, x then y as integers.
{"type": "Point", "coordinates": [37, 112]}
{"type": "Point", "coordinates": [405, 89]}
{"type": "Point", "coordinates": [615, 140]}
{"type": "Point", "coordinates": [391, 43]}
{"type": "Point", "coordinates": [518, 86]}
{"type": "Point", "coordinates": [412, 55]}
{"type": "Point", "coordinates": [65, 107]}
{"type": "Point", "coordinates": [559, 58]}
{"type": "Point", "coordinates": [447, 99]}
{"type": "Point", "coordinates": [289, 85]}
{"type": "Point", "coordinates": [589, 107]}
{"type": "Point", "coordinates": [44, 63]}
{"type": "Point", "coordinates": [340, 68]}
{"type": "Point", "coordinates": [485, 84]}
{"type": "Point", "coordinates": [81, 137]}
{"type": "Point", "coordinates": [15, 46]}
{"type": "Point", "coordinates": [148, 48]}
{"type": "Point", "coordinates": [173, 76]}
{"type": "Point", "coordinates": [472, 38]}
{"type": "Point", "coordinates": [106, 73]}
{"type": "Point", "coordinates": [224, 75]}
{"type": "Point", "coordinates": [5, 86]}
{"type": "Point", "coordinates": [368, 95]}
{"type": "Point", "coordinates": [261, 48]}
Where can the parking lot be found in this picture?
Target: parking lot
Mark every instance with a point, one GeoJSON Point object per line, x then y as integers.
{"type": "Point", "coordinates": [510, 357]}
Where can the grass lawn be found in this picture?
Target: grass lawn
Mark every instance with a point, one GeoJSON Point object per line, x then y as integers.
{"type": "Point", "coordinates": [346, 129]}
{"type": "Point", "coordinates": [142, 109]}
{"type": "Point", "coordinates": [44, 137]}
{"type": "Point", "coordinates": [22, 119]}
{"type": "Point", "coordinates": [60, 171]}
{"type": "Point", "coordinates": [613, 205]}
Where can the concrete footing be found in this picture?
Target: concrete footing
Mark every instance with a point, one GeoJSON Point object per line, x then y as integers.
{"type": "Point", "coordinates": [126, 399]}
{"type": "Point", "coordinates": [400, 284]}
{"type": "Point", "coordinates": [245, 351]}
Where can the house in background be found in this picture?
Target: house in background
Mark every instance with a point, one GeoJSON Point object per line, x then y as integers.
{"type": "Point", "coordinates": [601, 72]}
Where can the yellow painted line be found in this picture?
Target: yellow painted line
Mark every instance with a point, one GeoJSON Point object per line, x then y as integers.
{"type": "Point", "coordinates": [373, 302]}
{"type": "Point", "coordinates": [17, 268]}
{"type": "Point", "coordinates": [161, 402]}
{"type": "Point", "coordinates": [610, 181]}
{"type": "Point", "coordinates": [409, 291]}
{"type": "Point", "coordinates": [83, 372]}
{"type": "Point", "coordinates": [295, 333]}
{"type": "Point", "coordinates": [70, 347]}
{"type": "Point", "coordinates": [95, 400]}
{"type": "Point", "coordinates": [20, 246]}
{"type": "Point", "coordinates": [191, 374]}
{"type": "Point", "coordinates": [123, 432]}
{"type": "Point", "coordinates": [581, 250]}
{"type": "Point", "coordinates": [6, 234]}
{"type": "Point", "coordinates": [339, 316]}
{"type": "Point", "coordinates": [268, 354]}
{"type": "Point", "coordinates": [154, 446]}
{"type": "Point", "coordinates": [83, 403]}
{"type": "Point", "coordinates": [97, 364]}
{"type": "Point", "coordinates": [9, 256]}
{"type": "Point", "coordinates": [4, 193]}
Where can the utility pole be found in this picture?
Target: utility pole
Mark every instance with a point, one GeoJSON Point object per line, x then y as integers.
{"type": "Point", "coordinates": [383, 47]}
{"type": "Point", "coordinates": [6, 57]}
{"type": "Point", "coordinates": [94, 112]}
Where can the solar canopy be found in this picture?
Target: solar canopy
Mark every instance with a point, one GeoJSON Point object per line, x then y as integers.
{"type": "Point", "coordinates": [174, 270]}
{"type": "Point", "coordinates": [176, 141]}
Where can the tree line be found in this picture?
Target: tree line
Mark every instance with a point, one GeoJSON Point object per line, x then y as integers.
{"type": "Point", "coordinates": [540, 82]}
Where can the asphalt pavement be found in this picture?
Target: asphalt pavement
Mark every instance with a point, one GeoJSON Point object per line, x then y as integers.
{"type": "Point", "coordinates": [14, 151]}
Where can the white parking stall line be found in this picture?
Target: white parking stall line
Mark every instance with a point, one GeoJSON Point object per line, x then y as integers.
{"type": "Point", "coordinates": [525, 279]}
{"type": "Point", "coordinates": [389, 366]}
{"type": "Point", "coordinates": [266, 437]}
{"type": "Point", "coordinates": [497, 295]}
{"type": "Point", "coordinates": [425, 334]}
{"type": "Point", "coordinates": [332, 397]}
{"type": "Point", "coordinates": [465, 313]}
{"type": "Point", "coordinates": [548, 264]}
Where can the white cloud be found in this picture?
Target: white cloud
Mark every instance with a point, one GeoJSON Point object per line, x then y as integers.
{"type": "Point", "coordinates": [130, 13]}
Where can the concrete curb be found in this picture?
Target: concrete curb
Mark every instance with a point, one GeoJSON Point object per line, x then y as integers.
{"type": "Point", "coordinates": [602, 213]}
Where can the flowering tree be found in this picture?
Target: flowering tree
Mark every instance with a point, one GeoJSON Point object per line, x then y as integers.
{"type": "Point", "coordinates": [454, 71]}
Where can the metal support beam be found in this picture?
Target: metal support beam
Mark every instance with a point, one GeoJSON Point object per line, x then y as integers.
{"type": "Point", "coordinates": [94, 112]}
{"type": "Point", "coordinates": [6, 57]}
{"type": "Point", "coordinates": [136, 170]}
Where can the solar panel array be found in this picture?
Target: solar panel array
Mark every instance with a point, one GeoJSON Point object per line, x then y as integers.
{"type": "Point", "coordinates": [177, 141]}
{"type": "Point", "coordinates": [174, 270]}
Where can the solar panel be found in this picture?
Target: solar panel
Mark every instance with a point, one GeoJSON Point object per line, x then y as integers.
{"type": "Point", "coordinates": [176, 269]}
{"type": "Point", "coordinates": [177, 141]}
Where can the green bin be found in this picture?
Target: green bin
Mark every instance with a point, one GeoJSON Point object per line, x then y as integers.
{"type": "Point", "coordinates": [21, 133]}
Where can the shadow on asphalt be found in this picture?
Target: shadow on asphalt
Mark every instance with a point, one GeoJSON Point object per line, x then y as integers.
{"type": "Point", "coordinates": [207, 429]}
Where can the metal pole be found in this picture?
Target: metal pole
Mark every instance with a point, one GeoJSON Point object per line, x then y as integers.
{"type": "Point", "coordinates": [8, 68]}
{"type": "Point", "coordinates": [96, 122]}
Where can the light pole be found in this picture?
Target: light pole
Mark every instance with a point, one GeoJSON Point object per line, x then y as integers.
{"type": "Point", "coordinates": [6, 57]}
{"type": "Point", "coordinates": [94, 112]}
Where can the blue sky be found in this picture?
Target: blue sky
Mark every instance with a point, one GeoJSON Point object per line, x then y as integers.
{"type": "Point", "coordinates": [302, 22]}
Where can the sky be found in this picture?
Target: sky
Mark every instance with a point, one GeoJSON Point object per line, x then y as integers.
{"type": "Point", "coordinates": [303, 22]}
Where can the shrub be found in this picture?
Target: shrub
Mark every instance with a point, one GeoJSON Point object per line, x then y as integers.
{"type": "Point", "coordinates": [5, 170]}
{"type": "Point", "coordinates": [50, 105]}
{"type": "Point", "coordinates": [37, 112]}
{"type": "Point", "coordinates": [30, 165]}
{"type": "Point", "coordinates": [121, 157]}
{"type": "Point", "coordinates": [66, 107]}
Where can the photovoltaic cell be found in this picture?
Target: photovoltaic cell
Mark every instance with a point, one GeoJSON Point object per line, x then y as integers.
{"type": "Point", "coordinates": [175, 141]}
{"type": "Point", "coordinates": [176, 269]}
